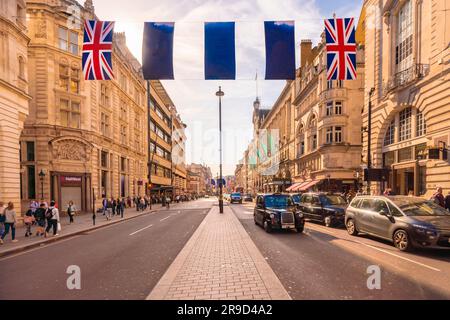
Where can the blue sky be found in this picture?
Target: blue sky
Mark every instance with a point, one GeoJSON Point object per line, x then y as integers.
{"type": "Point", "coordinates": [194, 97]}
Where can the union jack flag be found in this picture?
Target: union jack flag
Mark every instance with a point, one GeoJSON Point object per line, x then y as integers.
{"type": "Point", "coordinates": [97, 50]}
{"type": "Point", "coordinates": [341, 48]}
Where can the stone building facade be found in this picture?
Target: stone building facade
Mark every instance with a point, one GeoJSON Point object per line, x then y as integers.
{"type": "Point", "coordinates": [85, 140]}
{"type": "Point", "coordinates": [199, 179]}
{"type": "Point", "coordinates": [407, 54]}
{"type": "Point", "coordinates": [178, 154]}
{"type": "Point", "coordinates": [14, 97]}
{"type": "Point", "coordinates": [327, 124]}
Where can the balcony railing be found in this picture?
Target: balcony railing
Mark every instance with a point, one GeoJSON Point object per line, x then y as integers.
{"type": "Point", "coordinates": [402, 78]}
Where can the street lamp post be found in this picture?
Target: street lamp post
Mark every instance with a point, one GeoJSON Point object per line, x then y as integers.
{"type": "Point", "coordinates": [41, 177]}
{"type": "Point", "coordinates": [220, 94]}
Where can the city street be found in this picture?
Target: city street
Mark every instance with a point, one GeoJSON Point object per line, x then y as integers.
{"type": "Point", "coordinates": [122, 261]}
{"type": "Point", "coordinates": [327, 263]}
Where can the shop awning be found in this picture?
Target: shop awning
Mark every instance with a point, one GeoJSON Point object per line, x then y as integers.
{"type": "Point", "coordinates": [295, 185]}
{"type": "Point", "coordinates": [308, 185]}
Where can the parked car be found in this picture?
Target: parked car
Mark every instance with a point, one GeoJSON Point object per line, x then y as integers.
{"type": "Point", "coordinates": [296, 197]}
{"type": "Point", "coordinates": [408, 222]}
{"type": "Point", "coordinates": [323, 207]}
{"type": "Point", "coordinates": [248, 198]}
{"type": "Point", "coordinates": [277, 211]}
{"type": "Point", "coordinates": [236, 197]}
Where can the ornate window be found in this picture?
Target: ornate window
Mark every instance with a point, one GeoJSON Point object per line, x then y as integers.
{"type": "Point", "coordinates": [338, 134]}
{"type": "Point", "coordinates": [70, 113]}
{"type": "Point", "coordinates": [390, 134]}
{"type": "Point", "coordinates": [105, 124]}
{"type": "Point", "coordinates": [405, 124]}
{"type": "Point", "coordinates": [329, 110]}
{"type": "Point", "coordinates": [421, 127]}
{"type": "Point", "coordinates": [105, 96]}
{"type": "Point", "coordinates": [338, 107]}
{"type": "Point", "coordinates": [404, 41]}
{"type": "Point", "coordinates": [329, 135]}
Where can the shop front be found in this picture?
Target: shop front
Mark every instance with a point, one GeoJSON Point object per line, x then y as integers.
{"type": "Point", "coordinates": [75, 187]}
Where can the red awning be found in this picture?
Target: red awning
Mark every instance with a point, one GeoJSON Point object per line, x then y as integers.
{"type": "Point", "coordinates": [299, 186]}
{"type": "Point", "coordinates": [295, 185]}
{"type": "Point", "coordinates": [308, 185]}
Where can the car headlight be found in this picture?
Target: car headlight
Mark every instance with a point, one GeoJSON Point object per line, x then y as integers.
{"type": "Point", "coordinates": [300, 215]}
{"type": "Point", "coordinates": [425, 230]}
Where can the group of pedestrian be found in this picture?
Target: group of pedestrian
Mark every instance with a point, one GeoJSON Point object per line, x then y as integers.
{"type": "Point", "coordinates": [40, 214]}
{"type": "Point", "coordinates": [112, 207]}
{"type": "Point", "coordinates": [441, 200]}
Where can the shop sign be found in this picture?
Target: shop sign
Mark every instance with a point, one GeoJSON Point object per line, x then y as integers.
{"type": "Point", "coordinates": [71, 180]}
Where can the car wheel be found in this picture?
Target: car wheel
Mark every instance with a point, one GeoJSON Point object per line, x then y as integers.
{"type": "Point", "coordinates": [300, 228]}
{"type": "Point", "coordinates": [401, 241]}
{"type": "Point", "coordinates": [328, 222]}
{"type": "Point", "coordinates": [351, 228]}
{"type": "Point", "coordinates": [267, 227]}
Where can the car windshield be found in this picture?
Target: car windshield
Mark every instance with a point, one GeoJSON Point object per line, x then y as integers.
{"type": "Point", "coordinates": [296, 198]}
{"type": "Point", "coordinates": [278, 201]}
{"type": "Point", "coordinates": [424, 208]}
{"type": "Point", "coordinates": [332, 200]}
{"type": "Point", "coordinates": [235, 194]}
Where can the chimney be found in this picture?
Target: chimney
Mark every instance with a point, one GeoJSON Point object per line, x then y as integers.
{"type": "Point", "coordinates": [305, 52]}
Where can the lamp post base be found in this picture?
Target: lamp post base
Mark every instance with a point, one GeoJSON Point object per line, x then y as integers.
{"type": "Point", "coordinates": [220, 205]}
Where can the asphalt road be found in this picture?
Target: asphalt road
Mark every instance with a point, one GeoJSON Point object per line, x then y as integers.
{"type": "Point", "coordinates": [327, 263]}
{"type": "Point", "coordinates": [122, 261]}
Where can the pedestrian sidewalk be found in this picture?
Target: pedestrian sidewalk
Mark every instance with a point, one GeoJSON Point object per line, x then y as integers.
{"type": "Point", "coordinates": [219, 262]}
{"type": "Point", "coordinates": [82, 223]}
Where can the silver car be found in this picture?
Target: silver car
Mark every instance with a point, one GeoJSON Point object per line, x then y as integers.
{"type": "Point", "coordinates": [408, 222]}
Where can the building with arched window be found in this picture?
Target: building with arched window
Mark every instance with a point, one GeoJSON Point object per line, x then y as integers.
{"type": "Point", "coordinates": [407, 54]}
{"type": "Point", "coordinates": [328, 125]}
{"type": "Point", "coordinates": [14, 97]}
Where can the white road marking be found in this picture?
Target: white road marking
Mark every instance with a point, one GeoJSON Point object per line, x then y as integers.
{"type": "Point", "coordinates": [165, 218]}
{"type": "Point", "coordinates": [395, 255]}
{"type": "Point", "coordinates": [131, 234]}
{"type": "Point", "coordinates": [378, 249]}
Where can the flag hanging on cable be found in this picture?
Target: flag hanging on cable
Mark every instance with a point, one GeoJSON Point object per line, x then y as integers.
{"type": "Point", "coordinates": [97, 50]}
{"type": "Point", "coordinates": [280, 50]}
{"type": "Point", "coordinates": [220, 55]}
{"type": "Point", "coordinates": [341, 48]}
{"type": "Point", "coordinates": [157, 50]}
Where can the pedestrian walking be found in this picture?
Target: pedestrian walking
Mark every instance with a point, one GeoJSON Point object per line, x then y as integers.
{"type": "Point", "coordinates": [108, 209]}
{"type": "Point", "coordinates": [29, 219]}
{"type": "Point", "coordinates": [39, 215]}
{"type": "Point", "coordinates": [122, 206]}
{"type": "Point", "coordinates": [105, 205]}
{"type": "Point", "coordinates": [113, 206]}
{"type": "Point", "coordinates": [71, 211]}
{"type": "Point", "coordinates": [2, 218]}
{"type": "Point", "coordinates": [53, 222]}
{"type": "Point", "coordinates": [168, 202]}
{"type": "Point", "coordinates": [438, 197]}
{"type": "Point", "coordinates": [10, 222]}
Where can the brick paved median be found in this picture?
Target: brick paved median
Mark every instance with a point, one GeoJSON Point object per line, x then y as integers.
{"type": "Point", "coordinates": [221, 262]}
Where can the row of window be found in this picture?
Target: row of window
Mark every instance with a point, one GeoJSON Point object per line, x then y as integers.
{"type": "Point", "coordinates": [160, 132]}
{"type": "Point", "coordinates": [405, 125]}
{"type": "Point", "coordinates": [160, 171]}
{"type": "Point", "coordinates": [155, 106]}
{"type": "Point", "coordinates": [160, 151]}
{"type": "Point", "coordinates": [333, 134]}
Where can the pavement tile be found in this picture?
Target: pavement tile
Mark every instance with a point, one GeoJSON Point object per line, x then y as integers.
{"type": "Point", "coordinates": [218, 263]}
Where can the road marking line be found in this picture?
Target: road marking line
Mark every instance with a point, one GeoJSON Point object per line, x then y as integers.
{"type": "Point", "coordinates": [395, 255]}
{"type": "Point", "coordinates": [131, 234]}
{"type": "Point", "coordinates": [165, 218]}
{"type": "Point", "coordinates": [378, 249]}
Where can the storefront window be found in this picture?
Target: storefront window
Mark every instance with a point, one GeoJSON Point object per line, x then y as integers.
{"type": "Point", "coordinates": [405, 154]}
{"type": "Point", "coordinates": [388, 159]}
